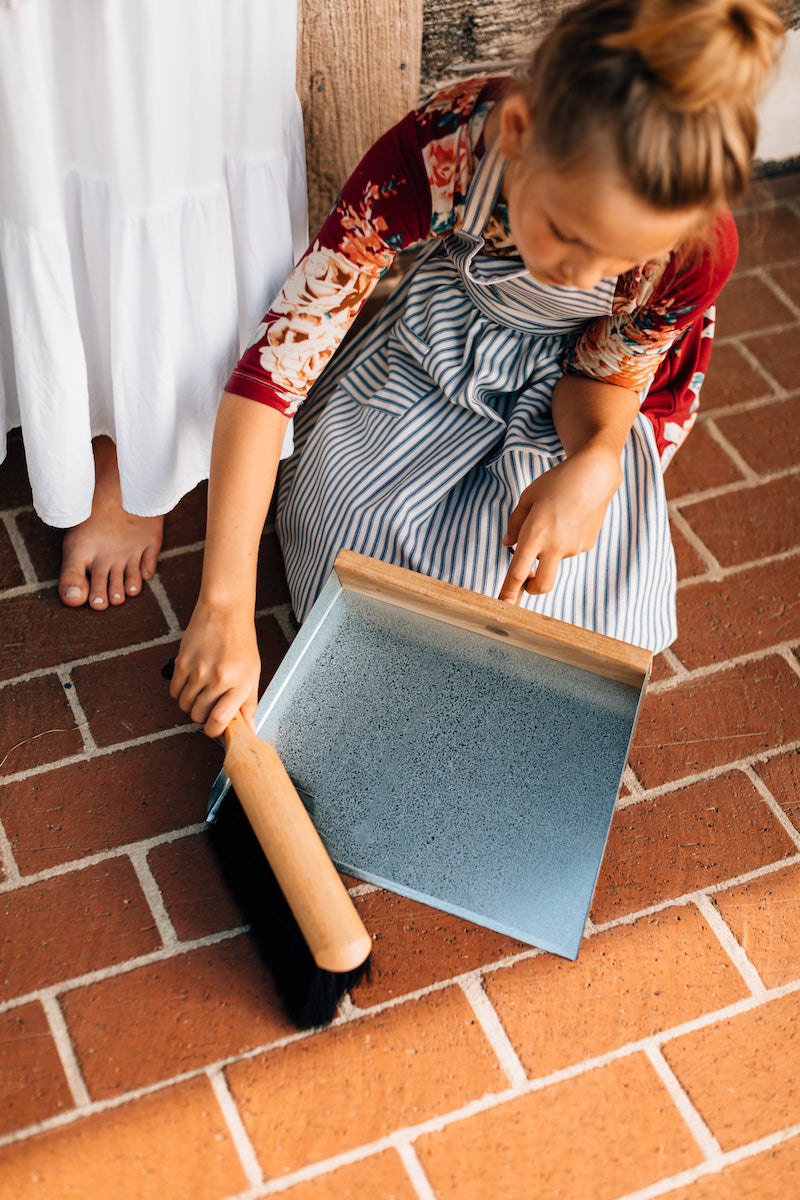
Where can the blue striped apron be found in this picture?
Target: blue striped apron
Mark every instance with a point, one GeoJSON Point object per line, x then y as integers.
{"type": "Point", "coordinates": [417, 442]}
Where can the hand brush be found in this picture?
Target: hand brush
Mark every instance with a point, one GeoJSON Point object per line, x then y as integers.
{"type": "Point", "coordinates": [274, 862]}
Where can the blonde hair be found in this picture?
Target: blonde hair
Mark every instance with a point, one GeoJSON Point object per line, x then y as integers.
{"type": "Point", "coordinates": [674, 85]}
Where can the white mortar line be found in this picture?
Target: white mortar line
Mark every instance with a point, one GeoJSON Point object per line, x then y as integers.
{"type": "Point", "coordinates": [78, 712]}
{"type": "Point", "coordinates": [167, 611]}
{"type": "Point", "coordinates": [239, 1134]}
{"type": "Point", "coordinates": [494, 1032]}
{"type": "Point", "coordinates": [9, 519]}
{"type": "Point", "coordinates": [733, 454]}
{"type": "Point", "coordinates": [152, 894]}
{"type": "Point", "coordinates": [772, 804]}
{"type": "Point", "coordinates": [66, 1051]}
{"type": "Point", "coordinates": [92, 860]}
{"type": "Point", "coordinates": [414, 1168]}
{"type": "Point", "coordinates": [697, 1126]}
{"type": "Point", "coordinates": [8, 864]}
{"type": "Point", "coordinates": [70, 760]}
{"type": "Point", "coordinates": [735, 951]}
{"type": "Point", "coordinates": [713, 1166]}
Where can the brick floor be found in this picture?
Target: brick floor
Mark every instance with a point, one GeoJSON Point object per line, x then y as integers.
{"type": "Point", "coordinates": [144, 1053]}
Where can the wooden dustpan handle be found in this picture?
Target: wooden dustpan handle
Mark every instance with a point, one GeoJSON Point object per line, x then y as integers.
{"type": "Point", "coordinates": [313, 888]}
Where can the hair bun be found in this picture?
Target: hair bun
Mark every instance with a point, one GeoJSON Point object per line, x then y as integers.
{"type": "Point", "coordinates": [706, 52]}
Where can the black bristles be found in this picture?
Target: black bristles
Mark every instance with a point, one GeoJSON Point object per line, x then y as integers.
{"type": "Point", "coordinates": [310, 996]}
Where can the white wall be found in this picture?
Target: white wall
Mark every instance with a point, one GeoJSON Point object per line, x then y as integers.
{"type": "Point", "coordinates": [779, 136]}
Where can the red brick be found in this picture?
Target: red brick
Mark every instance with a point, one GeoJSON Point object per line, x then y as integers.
{"type": "Point", "coordinates": [747, 303]}
{"type": "Point", "coordinates": [768, 437]}
{"type": "Point", "coordinates": [679, 843]}
{"type": "Point", "coordinates": [764, 916]}
{"type": "Point", "coordinates": [379, 1177]}
{"type": "Point", "coordinates": [597, 1136]}
{"type": "Point", "coordinates": [741, 614]}
{"type": "Point", "coordinates": [772, 1173]}
{"type": "Point", "coordinates": [11, 573]}
{"type": "Point", "coordinates": [173, 1145]}
{"type": "Point", "coordinates": [731, 379]}
{"type": "Point", "coordinates": [700, 463]}
{"type": "Point", "coordinates": [688, 561]}
{"type": "Point", "coordinates": [787, 276]}
{"type": "Point", "coordinates": [781, 774]}
{"type": "Point", "coordinates": [14, 486]}
{"type": "Point", "coordinates": [38, 629]}
{"type": "Point", "coordinates": [779, 354]}
{"type": "Point", "coordinates": [743, 1074]}
{"type": "Point", "coordinates": [38, 725]}
{"type": "Point", "coordinates": [415, 946]}
{"type": "Point", "coordinates": [360, 1081]}
{"type": "Point", "coordinates": [43, 543]}
{"type": "Point", "coordinates": [180, 576]}
{"type": "Point", "coordinates": [69, 812]}
{"type": "Point", "coordinates": [197, 900]}
{"type": "Point", "coordinates": [720, 718]}
{"type": "Point", "coordinates": [752, 523]}
{"type": "Point", "coordinates": [771, 235]}
{"type": "Point", "coordinates": [660, 669]}
{"type": "Point", "coordinates": [629, 982]}
{"type": "Point", "coordinates": [173, 1016]}
{"type": "Point", "coordinates": [186, 524]}
{"type": "Point", "coordinates": [69, 926]}
{"type": "Point", "coordinates": [140, 706]}
{"type": "Point", "coordinates": [33, 1086]}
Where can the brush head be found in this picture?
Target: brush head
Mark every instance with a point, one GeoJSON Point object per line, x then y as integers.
{"type": "Point", "coordinates": [310, 996]}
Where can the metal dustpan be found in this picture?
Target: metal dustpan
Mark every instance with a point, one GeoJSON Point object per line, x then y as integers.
{"type": "Point", "coordinates": [456, 749]}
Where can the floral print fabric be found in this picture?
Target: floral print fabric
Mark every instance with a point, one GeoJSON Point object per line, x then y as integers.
{"type": "Point", "coordinates": [411, 186]}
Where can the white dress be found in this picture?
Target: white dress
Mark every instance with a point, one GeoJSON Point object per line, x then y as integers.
{"type": "Point", "coordinates": [152, 201]}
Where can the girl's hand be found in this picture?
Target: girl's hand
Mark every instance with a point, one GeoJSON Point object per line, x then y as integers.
{"type": "Point", "coordinates": [217, 669]}
{"type": "Point", "coordinates": [557, 516]}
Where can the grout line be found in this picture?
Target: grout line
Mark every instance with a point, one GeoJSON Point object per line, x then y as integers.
{"type": "Point", "coordinates": [166, 930]}
{"type": "Point", "coordinates": [9, 871]}
{"type": "Point", "coordinates": [733, 454]}
{"type": "Point", "coordinates": [78, 712]}
{"type": "Point", "coordinates": [241, 1139]}
{"type": "Point", "coordinates": [70, 760]}
{"type": "Point", "coordinates": [495, 1034]}
{"type": "Point", "coordinates": [414, 1168]}
{"type": "Point", "coordinates": [167, 611]}
{"type": "Point", "coordinates": [92, 860]}
{"type": "Point", "coordinates": [66, 1051]}
{"type": "Point", "coordinates": [101, 974]}
{"type": "Point", "coordinates": [734, 949]}
{"type": "Point", "coordinates": [714, 1166]}
{"type": "Point", "coordinates": [9, 519]}
{"type": "Point", "coordinates": [88, 660]}
{"type": "Point", "coordinates": [697, 1126]}
{"type": "Point", "coordinates": [766, 795]}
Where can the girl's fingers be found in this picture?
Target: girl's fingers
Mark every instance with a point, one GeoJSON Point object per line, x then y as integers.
{"type": "Point", "coordinates": [544, 578]}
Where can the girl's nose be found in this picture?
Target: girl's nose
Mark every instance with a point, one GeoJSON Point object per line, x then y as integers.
{"type": "Point", "coordinates": [582, 273]}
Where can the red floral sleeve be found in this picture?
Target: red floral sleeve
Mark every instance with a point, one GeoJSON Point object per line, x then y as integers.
{"type": "Point", "coordinates": [409, 185]}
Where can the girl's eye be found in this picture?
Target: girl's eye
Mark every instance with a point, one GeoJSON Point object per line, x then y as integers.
{"type": "Point", "coordinates": [556, 232]}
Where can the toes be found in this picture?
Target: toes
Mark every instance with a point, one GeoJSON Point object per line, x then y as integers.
{"type": "Point", "coordinates": [116, 585]}
{"type": "Point", "coordinates": [73, 587]}
{"type": "Point", "coordinates": [98, 588]}
{"type": "Point", "coordinates": [149, 562]}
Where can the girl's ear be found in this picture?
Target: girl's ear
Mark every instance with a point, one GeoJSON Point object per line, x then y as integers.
{"type": "Point", "coordinates": [516, 124]}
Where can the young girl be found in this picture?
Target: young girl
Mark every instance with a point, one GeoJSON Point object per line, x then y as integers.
{"type": "Point", "coordinates": [504, 422]}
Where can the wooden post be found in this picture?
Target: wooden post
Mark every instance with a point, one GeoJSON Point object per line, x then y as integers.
{"type": "Point", "coordinates": [358, 73]}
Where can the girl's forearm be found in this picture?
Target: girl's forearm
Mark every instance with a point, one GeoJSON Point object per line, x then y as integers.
{"type": "Point", "coordinates": [587, 412]}
{"type": "Point", "coordinates": [248, 438]}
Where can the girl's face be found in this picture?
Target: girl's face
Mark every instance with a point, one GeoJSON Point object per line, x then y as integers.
{"type": "Point", "coordinates": [574, 228]}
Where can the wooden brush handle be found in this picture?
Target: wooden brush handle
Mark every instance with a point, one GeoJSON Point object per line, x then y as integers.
{"type": "Point", "coordinates": [313, 888]}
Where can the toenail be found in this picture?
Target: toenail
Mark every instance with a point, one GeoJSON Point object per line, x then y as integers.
{"type": "Point", "coordinates": [97, 601]}
{"type": "Point", "coordinates": [132, 590]}
{"type": "Point", "coordinates": [72, 593]}
{"type": "Point", "coordinates": [116, 596]}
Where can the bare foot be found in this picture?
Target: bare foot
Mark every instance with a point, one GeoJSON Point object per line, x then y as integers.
{"type": "Point", "coordinates": [108, 556]}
